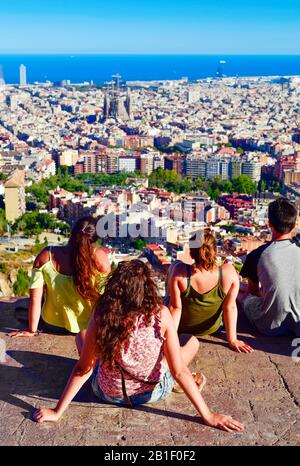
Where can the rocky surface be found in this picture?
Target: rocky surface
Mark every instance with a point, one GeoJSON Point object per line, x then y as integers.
{"type": "Point", "coordinates": [262, 389]}
{"type": "Point", "coordinates": [6, 286]}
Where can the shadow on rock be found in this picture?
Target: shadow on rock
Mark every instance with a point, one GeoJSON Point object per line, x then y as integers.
{"type": "Point", "coordinates": [41, 376]}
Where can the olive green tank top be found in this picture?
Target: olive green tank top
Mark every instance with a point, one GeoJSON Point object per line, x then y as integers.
{"type": "Point", "coordinates": [201, 312]}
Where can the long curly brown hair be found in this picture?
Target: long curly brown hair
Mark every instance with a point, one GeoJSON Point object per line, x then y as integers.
{"type": "Point", "coordinates": [130, 292]}
{"type": "Point", "coordinates": [83, 259]}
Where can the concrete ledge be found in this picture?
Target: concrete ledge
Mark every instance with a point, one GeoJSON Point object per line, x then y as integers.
{"type": "Point", "coordinates": [12, 303]}
{"type": "Point", "coordinates": [261, 389]}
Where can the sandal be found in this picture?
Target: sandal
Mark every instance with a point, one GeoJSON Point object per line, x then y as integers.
{"type": "Point", "coordinates": [199, 378]}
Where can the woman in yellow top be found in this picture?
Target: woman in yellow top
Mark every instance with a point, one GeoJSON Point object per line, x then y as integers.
{"type": "Point", "coordinates": [72, 277]}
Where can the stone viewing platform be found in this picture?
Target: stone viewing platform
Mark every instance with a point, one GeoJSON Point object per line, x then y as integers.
{"type": "Point", "coordinates": [261, 389]}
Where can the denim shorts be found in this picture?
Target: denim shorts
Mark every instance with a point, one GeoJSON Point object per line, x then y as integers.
{"type": "Point", "coordinates": [159, 393]}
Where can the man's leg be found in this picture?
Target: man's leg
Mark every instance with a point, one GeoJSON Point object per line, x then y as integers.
{"type": "Point", "coordinates": [252, 308]}
{"type": "Point", "coordinates": [242, 296]}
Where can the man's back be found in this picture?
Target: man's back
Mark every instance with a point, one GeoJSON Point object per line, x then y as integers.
{"type": "Point", "coordinates": [276, 266]}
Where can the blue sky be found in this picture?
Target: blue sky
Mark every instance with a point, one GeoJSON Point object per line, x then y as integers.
{"type": "Point", "coordinates": [150, 26]}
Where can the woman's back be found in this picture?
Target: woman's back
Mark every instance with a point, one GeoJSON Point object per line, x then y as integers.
{"type": "Point", "coordinates": [202, 299]}
{"type": "Point", "coordinates": [60, 257]}
{"type": "Point", "coordinates": [198, 291]}
{"type": "Point", "coordinates": [63, 305]}
{"type": "Point", "coordinates": [140, 357]}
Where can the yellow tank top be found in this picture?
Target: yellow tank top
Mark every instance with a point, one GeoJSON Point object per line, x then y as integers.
{"type": "Point", "coordinates": [63, 306]}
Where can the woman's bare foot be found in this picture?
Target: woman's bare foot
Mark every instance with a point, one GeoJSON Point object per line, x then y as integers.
{"type": "Point", "coordinates": [199, 378]}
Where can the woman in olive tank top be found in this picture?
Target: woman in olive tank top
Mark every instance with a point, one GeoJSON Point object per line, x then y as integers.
{"type": "Point", "coordinates": [203, 294]}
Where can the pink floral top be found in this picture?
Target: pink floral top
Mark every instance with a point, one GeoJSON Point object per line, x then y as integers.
{"type": "Point", "coordinates": [141, 356]}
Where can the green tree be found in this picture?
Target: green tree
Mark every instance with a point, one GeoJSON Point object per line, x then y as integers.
{"type": "Point", "coordinates": [226, 187]}
{"type": "Point", "coordinates": [139, 244]}
{"type": "Point", "coordinates": [21, 285]}
{"type": "Point", "coordinates": [37, 248]}
{"type": "Point", "coordinates": [113, 266]}
{"type": "Point", "coordinates": [34, 223]}
{"type": "Point", "coordinates": [198, 185]}
{"type": "Point", "coordinates": [65, 229]}
{"type": "Point", "coordinates": [216, 193]}
{"type": "Point", "coordinates": [243, 185]}
{"type": "Point", "coordinates": [274, 186]}
{"type": "Point", "coordinates": [3, 222]}
{"type": "Point", "coordinates": [238, 267]}
{"type": "Point", "coordinates": [160, 176]}
{"type": "Point", "coordinates": [64, 171]}
{"type": "Point", "coordinates": [3, 267]}
{"type": "Point", "coordinates": [262, 186]}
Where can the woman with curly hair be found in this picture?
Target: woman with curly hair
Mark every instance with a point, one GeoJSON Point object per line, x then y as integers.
{"type": "Point", "coordinates": [133, 339]}
{"type": "Point", "coordinates": [71, 279]}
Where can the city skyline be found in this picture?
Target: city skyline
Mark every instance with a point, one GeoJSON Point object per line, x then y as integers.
{"type": "Point", "coordinates": [23, 80]}
{"type": "Point", "coordinates": [94, 27]}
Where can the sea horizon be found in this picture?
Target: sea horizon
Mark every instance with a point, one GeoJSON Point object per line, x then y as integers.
{"type": "Point", "coordinates": [82, 67]}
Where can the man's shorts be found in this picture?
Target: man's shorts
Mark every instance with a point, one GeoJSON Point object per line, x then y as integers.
{"type": "Point", "coordinates": [252, 307]}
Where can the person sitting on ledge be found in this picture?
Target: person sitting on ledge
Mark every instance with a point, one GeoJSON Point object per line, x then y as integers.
{"type": "Point", "coordinates": [72, 277]}
{"type": "Point", "coordinates": [200, 294]}
{"type": "Point", "coordinates": [273, 272]}
{"type": "Point", "coordinates": [134, 339]}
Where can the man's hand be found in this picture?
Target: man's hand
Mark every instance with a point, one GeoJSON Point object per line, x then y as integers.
{"type": "Point", "coordinates": [223, 422]}
{"type": "Point", "coordinates": [240, 346]}
{"type": "Point", "coordinates": [23, 333]}
{"type": "Point", "coordinates": [45, 415]}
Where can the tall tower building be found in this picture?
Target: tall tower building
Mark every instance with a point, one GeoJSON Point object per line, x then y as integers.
{"type": "Point", "coordinates": [146, 164]}
{"type": "Point", "coordinates": [2, 81]}
{"type": "Point", "coordinates": [212, 168]}
{"type": "Point", "coordinates": [12, 102]}
{"type": "Point", "coordinates": [114, 104]}
{"type": "Point", "coordinates": [106, 106]}
{"type": "Point", "coordinates": [195, 166]}
{"type": "Point", "coordinates": [192, 96]}
{"type": "Point", "coordinates": [235, 168]}
{"type": "Point", "coordinates": [252, 169]}
{"type": "Point", "coordinates": [224, 170]}
{"type": "Point", "coordinates": [128, 104]}
{"type": "Point", "coordinates": [15, 205]}
{"type": "Point", "coordinates": [23, 80]}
